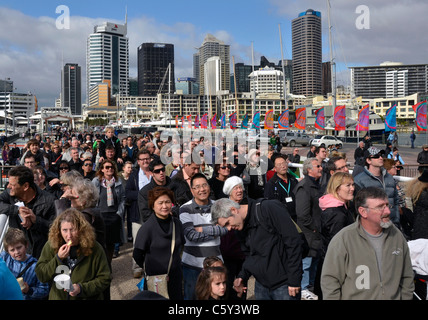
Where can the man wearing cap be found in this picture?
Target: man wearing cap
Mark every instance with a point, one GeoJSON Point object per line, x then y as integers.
{"type": "Point", "coordinates": [423, 158]}
{"type": "Point", "coordinates": [375, 175]}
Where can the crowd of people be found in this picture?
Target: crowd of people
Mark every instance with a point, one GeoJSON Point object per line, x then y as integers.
{"type": "Point", "coordinates": [74, 200]}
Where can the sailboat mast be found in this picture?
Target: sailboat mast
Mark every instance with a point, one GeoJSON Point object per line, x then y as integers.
{"type": "Point", "coordinates": [169, 94]}
{"type": "Point", "coordinates": [234, 80]}
{"type": "Point", "coordinates": [332, 63]}
{"type": "Point", "coordinates": [254, 84]}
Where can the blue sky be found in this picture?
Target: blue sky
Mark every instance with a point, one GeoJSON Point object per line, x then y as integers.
{"type": "Point", "coordinates": [32, 50]}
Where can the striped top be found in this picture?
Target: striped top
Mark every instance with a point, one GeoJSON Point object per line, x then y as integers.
{"type": "Point", "coordinates": [199, 245]}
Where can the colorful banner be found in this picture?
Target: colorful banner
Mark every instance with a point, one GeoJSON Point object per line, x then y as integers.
{"type": "Point", "coordinates": [204, 121]}
{"type": "Point", "coordinates": [391, 119]}
{"type": "Point", "coordinates": [269, 120]}
{"type": "Point", "coordinates": [421, 115]}
{"type": "Point", "coordinates": [256, 121]}
{"type": "Point", "coordinates": [197, 121]}
{"type": "Point", "coordinates": [300, 122]}
{"type": "Point", "coordinates": [223, 121]}
{"type": "Point", "coordinates": [363, 119]}
{"type": "Point", "coordinates": [182, 122]}
{"type": "Point", "coordinates": [176, 121]}
{"type": "Point", "coordinates": [283, 120]}
{"type": "Point", "coordinates": [189, 121]}
{"type": "Point", "coordinates": [244, 123]}
{"type": "Point", "coordinates": [340, 118]}
{"type": "Point", "coordinates": [214, 121]}
{"type": "Point", "coordinates": [233, 121]}
{"type": "Point", "coordinates": [320, 119]}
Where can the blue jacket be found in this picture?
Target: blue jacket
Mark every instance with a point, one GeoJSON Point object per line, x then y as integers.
{"type": "Point", "coordinates": [367, 179]}
{"type": "Point", "coordinates": [38, 290]}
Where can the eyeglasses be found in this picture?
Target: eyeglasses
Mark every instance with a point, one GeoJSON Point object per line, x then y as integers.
{"type": "Point", "coordinates": [343, 167]}
{"type": "Point", "coordinates": [205, 185]}
{"type": "Point", "coordinates": [159, 170]}
{"type": "Point", "coordinates": [381, 207]}
{"type": "Point", "coordinates": [63, 168]}
{"type": "Point", "coordinates": [87, 164]}
{"type": "Point", "coordinates": [144, 159]}
{"type": "Point", "coordinates": [108, 167]}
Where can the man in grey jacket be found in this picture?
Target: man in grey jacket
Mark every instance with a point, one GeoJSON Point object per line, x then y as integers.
{"type": "Point", "coordinates": [375, 175]}
{"type": "Point", "coordinates": [369, 259]}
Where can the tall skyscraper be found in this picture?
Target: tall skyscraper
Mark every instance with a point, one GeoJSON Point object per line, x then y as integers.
{"type": "Point", "coordinates": [307, 53]}
{"type": "Point", "coordinates": [71, 88]}
{"type": "Point", "coordinates": [107, 57]}
{"type": "Point", "coordinates": [212, 47]}
{"type": "Point", "coordinates": [153, 61]}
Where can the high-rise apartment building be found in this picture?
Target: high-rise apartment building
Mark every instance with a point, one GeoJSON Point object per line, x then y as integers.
{"type": "Point", "coordinates": [307, 53]}
{"type": "Point", "coordinates": [389, 80]}
{"type": "Point", "coordinates": [153, 61]}
{"type": "Point", "coordinates": [107, 57]}
{"type": "Point", "coordinates": [71, 88]}
{"type": "Point", "coordinates": [212, 47]}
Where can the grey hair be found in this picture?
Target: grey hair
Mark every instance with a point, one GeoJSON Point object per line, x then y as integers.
{"type": "Point", "coordinates": [307, 164]}
{"type": "Point", "coordinates": [221, 209]}
{"type": "Point", "coordinates": [88, 193]}
{"type": "Point", "coordinates": [71, 177]}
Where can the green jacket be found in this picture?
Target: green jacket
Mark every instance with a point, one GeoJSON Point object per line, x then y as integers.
{"type": "Point", "coordinates": [91, 272]}
{"type": "Point", "coordinates": [350, 270]}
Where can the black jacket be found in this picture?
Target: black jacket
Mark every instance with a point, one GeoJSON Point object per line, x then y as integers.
{"type": "Point", "coordinates": [44, 209]}
{"type": "Point", "coordinates": [273, 246]}
{"type": "Point", "coordinates": [180, 188]}
{"type": "Point", "coordinates": [277, 189]}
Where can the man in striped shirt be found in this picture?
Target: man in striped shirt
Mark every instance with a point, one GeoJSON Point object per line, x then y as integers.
{"type": "Point", "coordinates": [202, 237]}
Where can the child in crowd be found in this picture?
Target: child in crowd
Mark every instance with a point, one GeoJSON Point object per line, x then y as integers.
{"type": "Point", "coordinates": [22, 265]}
{"type": "Point", "coordinates": [211, 284]}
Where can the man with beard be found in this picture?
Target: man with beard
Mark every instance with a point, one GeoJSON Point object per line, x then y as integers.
{"type": "Point", "coordinates": [369, 259]}
{"type": "Point", "coordinates": [202, 238]}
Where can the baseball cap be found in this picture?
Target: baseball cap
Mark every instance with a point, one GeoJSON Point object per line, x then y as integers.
{"type": "Point", "coordinates": [373, 152]}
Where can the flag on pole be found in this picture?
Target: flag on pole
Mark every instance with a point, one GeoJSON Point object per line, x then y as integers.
{"type": "Point", "coordinates": [340, 118]}
{"type": "Point", "coordinates": [363, 119]}
{"type": "Point", "coordinates": [300, 122]}
{"type": "Point", "coordinates": [223, 121]}
{"type": "Point", "coordinates": [421, 115]}
{"type": "Point", "coordinates": [391, 119]}
{"type": "Point", "coordinates": [182, 122]}
{"type": "Point", "coordinates": [283, 120]}
{"type": "Point", "coordinates": [269, 120]}
{"type": "Point", "coordinates": [189, 121]}
{"type": "Point", "coordinates": [197, 122]}
{"type": "Point", "coordinates": [244, 123]}
{"type": "Point", "coordinates": [204, 121]}
{"type": "Point", "coordinates": [176, 121]}
{"type": "Point", "coordinates": [256, 121]}
{"type": "Point", "coordinates": [320, 119]}
{"type": "Point", "coordinates": [233, 121]}
{"type": "Point", "coordinates": [214, 121]}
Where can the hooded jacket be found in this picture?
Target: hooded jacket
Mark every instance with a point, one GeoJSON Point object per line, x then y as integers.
{"type": "Point", "coordinates": [334, 217]}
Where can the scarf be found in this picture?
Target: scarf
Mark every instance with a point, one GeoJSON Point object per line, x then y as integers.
{"type": "Point", "coordinates": [108, 184]}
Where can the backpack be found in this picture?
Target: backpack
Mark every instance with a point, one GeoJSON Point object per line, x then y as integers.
{"type": "Point", "coordinates": [268, 228]}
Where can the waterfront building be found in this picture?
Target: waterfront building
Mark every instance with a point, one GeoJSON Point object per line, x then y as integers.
{"type": "Point", "coordinates": [71, 88]}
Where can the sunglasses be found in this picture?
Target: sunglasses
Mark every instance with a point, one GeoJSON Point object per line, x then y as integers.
{"type": "Point", "coordinates": [225, 167]}
{"type": "Point", "coordinates": [159, 170]}
{"type": "Point", "coordinates": [87, 164]}
{"type": "Point", "coordinates": [108, 167]}
{"type": "Point", "coordinates": [376, 156]}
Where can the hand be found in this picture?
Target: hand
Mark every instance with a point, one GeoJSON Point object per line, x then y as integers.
{"type": "Point", "coordinates": [119, 160]}
{"type": "Point", "coordinates": [54, 181]}
{"type": "Point", "coordinates": [63, 251]}
{"type": "Point", "coordinates": [28, 217]}
{"type": "Point", "coordinates": [69, 194]}
{"type": "Point", "coordinates": [238, 286]}
{"type": "Point", "coordinates": [198, 229]}
{"type": "Point", "coordinates": [76, 290]}
{"type": "Point", "coordinates": [293, 291]}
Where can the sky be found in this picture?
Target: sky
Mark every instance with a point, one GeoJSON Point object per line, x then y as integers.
{"type": "Point", "coordinates": [35, 42]}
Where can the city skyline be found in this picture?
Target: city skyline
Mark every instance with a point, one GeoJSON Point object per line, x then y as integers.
{"type": "Point", "coordinates": [33, 50]}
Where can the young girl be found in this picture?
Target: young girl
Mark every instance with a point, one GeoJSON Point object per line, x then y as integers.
{"type": "Point", "coordinates": [211, 284]}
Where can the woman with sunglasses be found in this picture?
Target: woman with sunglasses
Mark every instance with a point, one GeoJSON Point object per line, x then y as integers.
{"type": "Point", "coordinates": [111, 204]}
{"type": "Point", "coordinates": [221, 173]}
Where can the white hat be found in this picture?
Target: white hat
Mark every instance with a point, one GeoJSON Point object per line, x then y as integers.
{"type": "Point", "coordinates": [230, 183]}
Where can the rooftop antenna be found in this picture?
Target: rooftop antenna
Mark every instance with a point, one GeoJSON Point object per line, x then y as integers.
{"type": "Point", "coordinates": [126, 15]}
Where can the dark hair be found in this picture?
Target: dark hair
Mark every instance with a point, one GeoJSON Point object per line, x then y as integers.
{"type": "Point", "coordinates": [198, 176]}
{"type": "Point", "coordinates": [23, 174]}
{"type": "Point", "coordinates": [203, 283]}
{"type": "Point", "coordinates": [279, 156]}
{"type": "Point", "coordinates": [317, 150]}
{"type": "Point", "coordinates": [143, 151]}
{"type": "Point", "coordinates": [100, 173]}
{"type": "Point", "coordinates": [368, 193]}
{"type": "Point", "coordinates": [155, 162]}
{"type": "Point", "coordinates": [157, 192]}
{"type": "Point", "coordinates": [331, 164]}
